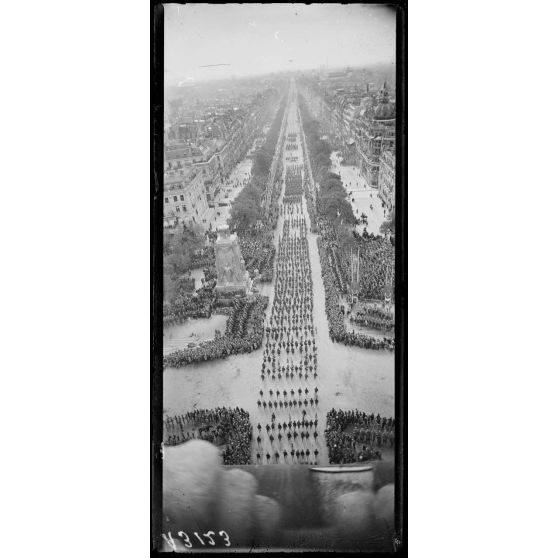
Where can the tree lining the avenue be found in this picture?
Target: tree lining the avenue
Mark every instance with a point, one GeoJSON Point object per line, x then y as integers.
{"type": "Point", "coordinates": [331, 198]}
{"type": "Point", "coordinates": [184, 248]}
{"type": "Point", "coordinates": [337, 243]}
{"type": "Point", "coordinates": [247, 208]}
{"type": "Point", "coordinates": [180, 248]}
{"type": "Point", "coordinates": [388, 226]}
{"type": "Point", "coordinates": [247, 217]}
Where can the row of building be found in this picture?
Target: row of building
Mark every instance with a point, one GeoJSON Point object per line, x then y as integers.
{"type": "Point", "coordinates": [200, 153]}
{"type": "Point", "coordinates": [360, 120]}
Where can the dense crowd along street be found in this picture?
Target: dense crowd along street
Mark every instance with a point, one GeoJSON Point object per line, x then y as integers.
{"type": "Point", "coordinates": [243, 333]}
{"type": "Point", "coordinates": [354, 436]}
{"type": "Point", "coordinates": [290, 353]}
{"type": "Point", "coordinates": [286, 422]}
{"type": "Point", "coordinates": [220, 426]}
{"type": "Point", "coordinates": [290, 359]}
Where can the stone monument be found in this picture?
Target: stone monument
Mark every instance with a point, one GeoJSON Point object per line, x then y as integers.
{"type": "Point", "coordinates": [232, 276]}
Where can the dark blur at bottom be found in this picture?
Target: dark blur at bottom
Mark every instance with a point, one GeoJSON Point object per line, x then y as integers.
{"type": "Point", "coordinates": [208, 506]}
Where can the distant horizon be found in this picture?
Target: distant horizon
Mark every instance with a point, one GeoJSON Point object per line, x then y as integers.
{"type": "Point", "coordinates": [372, 67]}
{"type": "Point", "coordinates": [207, 42]}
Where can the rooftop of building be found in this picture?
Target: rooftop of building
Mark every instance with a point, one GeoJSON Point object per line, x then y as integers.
{"type": "Point", "coordinates": [181, 151]}
{"type": "Point", "coordinates": [388, 155]}
{"type": "Point", "coordinates": [175, 177]}
{"type": "Point", "coordinates": [176, 144]}
{"type": "Point", "coordinates": [384, 111]}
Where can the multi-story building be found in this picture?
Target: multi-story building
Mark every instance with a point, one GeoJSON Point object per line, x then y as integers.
{"type": "Point", "coordinates": [375, 133]}
{"type": "Point", "coordinates": [202, 147]}
{"type": "Point", "coordinates": [185, 200]}
{"type": "Point", "coordinates": [386, 179]}
{"type": "Point", "coordinates": [181, 155]}
{"type": "Point", "coordinates": [212, 174]}
{"type": "Point", "coordinates": [360, 121]}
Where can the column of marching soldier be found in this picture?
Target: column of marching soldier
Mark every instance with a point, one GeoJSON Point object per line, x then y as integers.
{"type": "Point", "coordinates": [288, 398]}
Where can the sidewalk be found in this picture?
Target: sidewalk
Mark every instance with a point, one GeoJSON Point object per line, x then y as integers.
{"type": "Point", "coordinates": [232, 187]}
{"type": "Point", "coordinates": [363, 194]}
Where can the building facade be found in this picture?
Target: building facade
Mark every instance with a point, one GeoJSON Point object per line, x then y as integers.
{"type": "Point", "coordinates": [201, 150]}
{"type": "Point", "coordinates": [360, 121]}
{"type": "Point", "coordinates": [185, 200]}
{"type": "Point", "coordinates": [375, 133]}
{"type": "Point", "coordinates": [386, 179]}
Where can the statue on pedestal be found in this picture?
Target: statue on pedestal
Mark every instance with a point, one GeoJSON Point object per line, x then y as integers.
{"type": "Point", "coordinates": [231, 270]}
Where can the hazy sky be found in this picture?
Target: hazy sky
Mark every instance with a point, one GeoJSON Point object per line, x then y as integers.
{"type": "Point", "coordinates": [263, 38]}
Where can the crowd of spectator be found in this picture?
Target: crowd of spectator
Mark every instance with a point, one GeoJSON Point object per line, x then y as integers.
{"type": "Point", "coordinates": [272, 215]}
{"type": "Point", "coordinates": [244, 333]}
{"type": "Point", "coordinates": [258, 252]}
{"type": "Point", "coordinates": [373, 318]}
{"type": "Point", "coordinates": [335, 315]}
{"type": "Point", "coordinates": [310, 206]}
{"type": "Point", "coordinates": [377, 267]}
{"type": "Point", "coordinates": [202, 258]}
{"type": "Point", "coordinates": [189, 305]}
{"type": "Point", "coordinates": [238, 317]}
{"type": "Point", "coordinates": [333, 261]}
{"type": "Point", "coordinates": [354, 436]}
{"type": "Point", "coordinates": [220, 426]}
{"type": "Point", "coordinates": [377, 263]}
